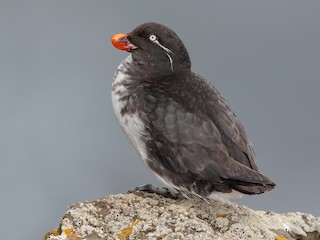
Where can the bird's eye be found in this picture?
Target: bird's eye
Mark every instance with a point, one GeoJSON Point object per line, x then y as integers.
{"type": "Point", "coordinates": [152, 37]}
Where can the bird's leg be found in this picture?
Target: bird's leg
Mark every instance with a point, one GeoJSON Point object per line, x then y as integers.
{"type": "Point", "coordinates": [163, 191]}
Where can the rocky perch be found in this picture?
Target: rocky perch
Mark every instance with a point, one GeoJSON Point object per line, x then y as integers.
{"type": "Point", "coordinates": [142, 215]}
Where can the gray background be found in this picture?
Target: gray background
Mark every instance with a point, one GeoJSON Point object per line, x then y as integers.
{"type": "Point", "coordinates": [60, 142]}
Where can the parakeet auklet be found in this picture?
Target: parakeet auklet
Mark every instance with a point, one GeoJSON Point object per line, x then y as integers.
{"type": "Point", "coordinates": [178, 123]}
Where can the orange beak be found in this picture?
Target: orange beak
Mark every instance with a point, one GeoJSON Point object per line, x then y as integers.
{"type": "Point", "coordinates": [122, 42]}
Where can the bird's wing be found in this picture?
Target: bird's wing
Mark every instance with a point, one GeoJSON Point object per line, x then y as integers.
{"type": "Point", "coordinates": [231, 129]}
{"type": "Point", "coordinates": [187, 144]}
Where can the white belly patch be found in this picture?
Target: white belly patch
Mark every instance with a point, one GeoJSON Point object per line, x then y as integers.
{"type": "Point", "coordinates": [131, 123]}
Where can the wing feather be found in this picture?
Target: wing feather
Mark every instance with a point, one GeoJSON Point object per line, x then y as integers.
{"type": "Point", "coordinates": [204, 141]}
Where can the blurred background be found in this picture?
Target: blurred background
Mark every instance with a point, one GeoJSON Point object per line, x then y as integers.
{"type": "Point", "coordinates": [60, 142]}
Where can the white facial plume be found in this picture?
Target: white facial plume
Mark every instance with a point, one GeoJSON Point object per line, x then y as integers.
{"type": "Point", "coordinates": [153, 38]}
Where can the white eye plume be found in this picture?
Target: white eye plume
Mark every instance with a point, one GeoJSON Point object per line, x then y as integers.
{"type": "Point", "coordinates": [153, 38]}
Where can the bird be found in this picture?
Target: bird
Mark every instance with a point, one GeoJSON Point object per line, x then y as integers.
{"type": "Point", "coordinates": [178, 123]}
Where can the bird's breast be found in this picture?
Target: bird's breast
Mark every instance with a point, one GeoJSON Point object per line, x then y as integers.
{"type": "Point", "coordinates": [126, 107]}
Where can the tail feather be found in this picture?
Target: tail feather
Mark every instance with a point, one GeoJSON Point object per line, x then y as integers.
{"type": "Point", "coordinates": [247, 180]}
{"type": "Point", "coordinates": [251, 188]}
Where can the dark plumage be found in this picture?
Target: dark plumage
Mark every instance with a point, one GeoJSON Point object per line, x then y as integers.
{"type": "Point", "coordinates": [178, 123]}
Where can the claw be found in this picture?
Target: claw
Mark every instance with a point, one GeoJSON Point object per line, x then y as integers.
{"type": "Point", "coordinates": [163, 191]}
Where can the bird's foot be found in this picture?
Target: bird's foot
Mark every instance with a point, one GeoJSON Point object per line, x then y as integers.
{"type": "Point", "coordinates": [163, 191]}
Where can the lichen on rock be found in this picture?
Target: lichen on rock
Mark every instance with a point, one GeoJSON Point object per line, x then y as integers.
{"type": "Point", "coordinates": [143, 215]}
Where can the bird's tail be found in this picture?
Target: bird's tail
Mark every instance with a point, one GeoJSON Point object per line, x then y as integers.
{"type": "Point", "coordinates": [249, 181]}
{"type": "Point", "coordinates": [251, 188]}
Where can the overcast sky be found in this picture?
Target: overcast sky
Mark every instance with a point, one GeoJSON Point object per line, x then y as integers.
{"type": "Point", "coordinates": [60, 142]}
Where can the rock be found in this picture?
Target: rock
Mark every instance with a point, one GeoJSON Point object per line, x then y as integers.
{"type": "Point", "coordinates": [142, 215]}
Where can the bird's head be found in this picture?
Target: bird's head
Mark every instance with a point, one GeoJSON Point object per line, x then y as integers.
{"type": "Point", "coordinates": [155, 46]}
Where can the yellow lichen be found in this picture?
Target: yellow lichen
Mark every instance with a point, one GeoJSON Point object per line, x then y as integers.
{"type": "Point", "coordinates": [219, 215]}
{"type": "Point", "coordinates": [68, 231]}
{"type": "Point", "coordinates": [280, 238]}
{"type": "Point", "coordinates": [70, 234]}
{"type": "Point", "coordinates": [53, 232]}
{"type": "Point", "coordinates": [67, 234]}
{"type": "Point", "coordinates": [126, 232]}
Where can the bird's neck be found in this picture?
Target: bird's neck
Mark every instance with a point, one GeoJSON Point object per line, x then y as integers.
{"type": "Point", "coordinates": [149, 70]}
